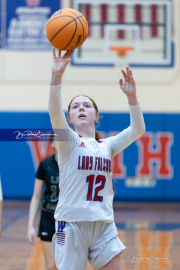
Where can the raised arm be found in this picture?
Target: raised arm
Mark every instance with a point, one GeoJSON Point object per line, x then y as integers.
{"type": "Point", "coordinates": [137, 126]}
{"type": "Point", "coordinates": [59, 65]}
{"type": "Point", "coordinates": [67, 138]}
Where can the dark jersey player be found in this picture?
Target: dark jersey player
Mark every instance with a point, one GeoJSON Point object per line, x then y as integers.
{"type": "Point", "coordinates": [47, 179]}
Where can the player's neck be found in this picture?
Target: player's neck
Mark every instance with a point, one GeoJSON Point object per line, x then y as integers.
{"type": "Point", "coordinates": [86, 132]}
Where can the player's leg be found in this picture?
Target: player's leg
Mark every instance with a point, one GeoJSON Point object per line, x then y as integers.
{"type": "Point", "coordinates": [46, 232]}
{"type": "Point", "coordinates": [114, 264]}
{"type": "Point", "coordinates": [48, 255]}
{"type": "Point", "coordinates": [105, 253]}
{"type": "Point", "coordinates": [69, 246]}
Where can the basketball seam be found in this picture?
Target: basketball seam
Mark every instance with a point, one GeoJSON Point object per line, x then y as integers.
{"type": "Point", "coordinates": [59, 18]}
{"type": "Point", "coordinates": [72, 36]}
{"type": "Point", "coordinates": [82, 28]}
{"type": "Point", "coordinates": [73, 13]}
{"type": "Point", "coordinates": [85, 20]}
{"type": "Point", "coordinates": [63, 28]}
{"type": "Point", "coordinates": [79, 12]}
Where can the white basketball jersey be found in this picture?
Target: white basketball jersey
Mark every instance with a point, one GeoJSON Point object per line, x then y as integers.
{"type": "Point", "coordinates": [85, 165]}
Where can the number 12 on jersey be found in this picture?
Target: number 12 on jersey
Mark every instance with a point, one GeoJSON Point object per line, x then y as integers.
{"type": "Point", "coordinates": [90, 180]}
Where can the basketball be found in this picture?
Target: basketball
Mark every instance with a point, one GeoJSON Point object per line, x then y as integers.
{"type": "Point", "coordinates": [67, 29]}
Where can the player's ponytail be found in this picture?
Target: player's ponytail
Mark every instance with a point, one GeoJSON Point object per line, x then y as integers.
{"type": "Point", "coordinates": [97, 137]}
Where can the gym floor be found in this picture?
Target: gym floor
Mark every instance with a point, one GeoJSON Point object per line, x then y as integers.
{"type": "Point", "coordinates": [150, 232]}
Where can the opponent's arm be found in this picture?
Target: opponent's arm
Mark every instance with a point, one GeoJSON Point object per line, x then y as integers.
{"type": "Point", "coordinates": [34, 205]}
{"type": "Point", "coordinates": [137, 126]}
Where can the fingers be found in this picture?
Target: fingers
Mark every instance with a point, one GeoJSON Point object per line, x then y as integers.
{"type": "Point", "coordinates": [132, 80]}
{"type": "Point", "coordinates": [71, 52]}
{"type": "Point", "coordinates": [31, 240]}
{"type": "Point", "coordinates": [68, 54]}
{"type": "Point", "coordinates": [121, 82]}
{"type": "Point", "coordinates": [54, 53]}
{"type": "Point", "coordinates": [128, 74]}
{"type": "Point", "coordinates": [124, 74]}
{"type": "Point", "coordinates": [131, 77]}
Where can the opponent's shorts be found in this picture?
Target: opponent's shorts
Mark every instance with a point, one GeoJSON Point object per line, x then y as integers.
{"type": "Point", "coordinates": [75, 242]}
{"type": "Point", "coordinates": [46, 226]}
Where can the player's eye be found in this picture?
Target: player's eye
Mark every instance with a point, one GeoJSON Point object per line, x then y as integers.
{"type": "Point", "coordinates": [75, 106]}
{"type": "Point", "coordinates": [88, 106]}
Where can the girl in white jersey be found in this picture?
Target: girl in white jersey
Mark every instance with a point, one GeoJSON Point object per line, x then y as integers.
{"type": "Point", "coordinates": [85, 227]}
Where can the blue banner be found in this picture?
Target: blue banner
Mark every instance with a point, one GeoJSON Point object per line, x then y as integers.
{"type": "Point", "coordinates": [26, 23]}
{"type": "Point", "coordinates": [148, 170]}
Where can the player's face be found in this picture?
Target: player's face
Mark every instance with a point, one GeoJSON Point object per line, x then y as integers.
{"type": "Point", "coordinates": [82, 112]}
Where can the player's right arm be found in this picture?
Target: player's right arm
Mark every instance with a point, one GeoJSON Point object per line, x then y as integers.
{"type": "Point", "coordinates": [34, 205]}
{"type": "Point", "coordinates": [66, 136]}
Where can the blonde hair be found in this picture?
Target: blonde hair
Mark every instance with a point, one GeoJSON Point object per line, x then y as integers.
{"type": "Point", "coordinates": [97, 137]}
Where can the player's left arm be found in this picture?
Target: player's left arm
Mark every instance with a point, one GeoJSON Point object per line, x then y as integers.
{"type": "Point", "coordinates": [137, 125]}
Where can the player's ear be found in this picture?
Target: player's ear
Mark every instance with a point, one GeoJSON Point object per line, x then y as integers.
{"type": "Point", "coordinates": [97, 117]}
{"type": "Point", "coordinates": [69, 120]}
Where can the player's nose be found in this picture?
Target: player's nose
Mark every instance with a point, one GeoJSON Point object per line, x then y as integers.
{"type": "Point", "coordinates": [81, 108]}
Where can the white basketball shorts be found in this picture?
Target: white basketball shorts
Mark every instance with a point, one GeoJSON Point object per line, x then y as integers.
{"type": "Point", "coordinates": [75, 242]}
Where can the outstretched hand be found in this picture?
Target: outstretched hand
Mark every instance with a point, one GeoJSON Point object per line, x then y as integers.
{"type": "Point", "coordinates": [59, 65]}
{"type": "Point", "coordinates": [129, 86]}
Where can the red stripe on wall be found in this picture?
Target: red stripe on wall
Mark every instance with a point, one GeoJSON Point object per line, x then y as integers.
{"type": "Point", "coordinates": [121, 17]}
{"type": "Point", "coordinates": [154, 29]}
{"type": "Point", "coordinates": [138, 16]}
{"type": "Point", "coordinates": [103, 17]}
{"type": "Point", "coordinates": [88, 16]}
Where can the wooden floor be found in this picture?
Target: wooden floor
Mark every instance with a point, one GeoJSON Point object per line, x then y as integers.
{"type": "Point", "coordinates": [151, 233]}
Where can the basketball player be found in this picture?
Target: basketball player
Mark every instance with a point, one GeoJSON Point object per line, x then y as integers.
{"type": "Point", "coordinates": [85, 227]}
{"type": "Point", "coordinates": [1, 205]}
{"type": "Point", "coordinates": [48, 175]}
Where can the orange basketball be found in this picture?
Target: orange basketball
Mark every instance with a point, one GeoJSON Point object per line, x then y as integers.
{"type": "Point", "coordinates": [67, 29]}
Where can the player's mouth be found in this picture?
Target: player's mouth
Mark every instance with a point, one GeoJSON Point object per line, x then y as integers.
{"type": "Point", "coordinates": [82, 115]}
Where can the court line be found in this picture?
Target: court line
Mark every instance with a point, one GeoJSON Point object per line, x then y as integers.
{"type": "Point", "coordinates": [14, 219]}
